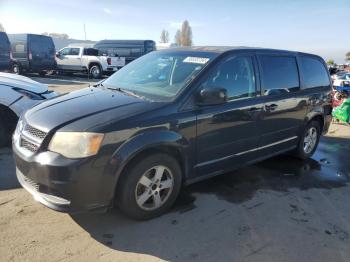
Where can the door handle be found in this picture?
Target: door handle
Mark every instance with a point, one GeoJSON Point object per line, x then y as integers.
{"type": "Point", "coordinates": [271, 107]}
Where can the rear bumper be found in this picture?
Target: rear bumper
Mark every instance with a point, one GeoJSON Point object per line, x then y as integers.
{"type": "Point", "coordinates": [327, 123]}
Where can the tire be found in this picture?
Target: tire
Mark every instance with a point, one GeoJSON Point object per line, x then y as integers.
{"type": "Point", "coordinates": [42, 73]}
{"type": "Point", "coordinates": [309, 140]}
{"type": "Point", "coordinates": [95, 71]}
{"type": "Point", "coordinates": [16, 69]}
{"type": "Point", "coordinates": [141, 202]}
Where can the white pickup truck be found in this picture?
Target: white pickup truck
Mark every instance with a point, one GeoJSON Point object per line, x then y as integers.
{"type": "Point", "coordinates": [83, 59]}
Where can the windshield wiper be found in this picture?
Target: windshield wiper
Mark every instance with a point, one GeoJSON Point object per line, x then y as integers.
{"type": "Point", "coordinates": [98, 84]}
{"type": "Point", "coordinates": [128, 92]}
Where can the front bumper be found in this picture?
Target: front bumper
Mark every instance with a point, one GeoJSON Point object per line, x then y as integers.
{"type": "Point", "coordinates": [65, 185]}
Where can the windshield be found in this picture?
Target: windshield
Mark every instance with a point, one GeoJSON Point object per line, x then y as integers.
{"type": "Point", "coordinates": [158, 76]}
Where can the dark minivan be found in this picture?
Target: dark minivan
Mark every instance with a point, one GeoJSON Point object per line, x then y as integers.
{"type": "Point", "coordinates": [168, 119]}
{"type": "Point", "coordinates": [32, 53]}
{"type": "Point", "coordinates": [130, 49]}
{"type": "Point", "coordinates": [5, 52]}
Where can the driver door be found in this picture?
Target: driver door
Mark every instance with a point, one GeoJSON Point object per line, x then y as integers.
{"type": "Point", "coordinates": [62, 59]}
{"type": "Point", "coordinates": [227, 134]}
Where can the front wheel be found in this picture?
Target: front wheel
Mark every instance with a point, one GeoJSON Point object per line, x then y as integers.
{"type": "Point", "coordinates": [309, 140]}
{"type": "Point", "coordinates": [149, 186]}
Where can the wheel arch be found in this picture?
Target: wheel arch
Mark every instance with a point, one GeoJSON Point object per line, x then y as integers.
{"type": "Point", "coordinates": [316, 116]}
{"type": "Point", "coordinates": [166, 142]}
{"type": "Point", "coordinates": [91, 64]}
{"type": "Point", "coordinates": [9, 117]}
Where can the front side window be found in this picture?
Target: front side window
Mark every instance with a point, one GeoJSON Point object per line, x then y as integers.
{"type": "Point", "coordinates": [65, 51]}
{"type": "Point", "coordinates": [158, 76]}
{"type": "Point", "coordinates": [236, 75]}
{"type": "Point", "coordinates": [314, 72]}
{"type": "Point", "coordinates": [279, 75]}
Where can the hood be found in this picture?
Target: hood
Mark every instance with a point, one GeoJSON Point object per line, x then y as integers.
{"type": "Point", "coordinates": [77, 105]}
{"type": "Point", "coordinates": [22, 82]}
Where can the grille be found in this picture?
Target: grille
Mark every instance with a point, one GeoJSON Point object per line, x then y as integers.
{"type": "Point", "coordinates": [28, 145]}
{"type": "Point", "coordinates": [31, 183]}
{"type": "Point", "coordinates": [35, 132]}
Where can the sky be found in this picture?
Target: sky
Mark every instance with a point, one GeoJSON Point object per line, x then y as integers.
{"type": "Point", "coordinates": [316, 26]}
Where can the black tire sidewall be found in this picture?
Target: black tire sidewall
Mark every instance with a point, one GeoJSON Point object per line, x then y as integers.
{"type": "Point", "coordinates": [300, 150]}
{"type": "Point", "coordinates": [125, 195]}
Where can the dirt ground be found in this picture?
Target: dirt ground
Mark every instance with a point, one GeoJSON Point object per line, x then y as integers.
{"type": "Point", "coordinates": [282, 209]}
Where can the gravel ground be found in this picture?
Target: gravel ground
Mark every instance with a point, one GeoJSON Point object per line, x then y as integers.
{"type": "Point", "coordinates": [282, 209]}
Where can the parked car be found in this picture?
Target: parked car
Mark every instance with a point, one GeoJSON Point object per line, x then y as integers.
{"type": "Point", "coordinates": [18, 93]}
{"type": "Point", "coordinates": [82, 59]}
{"type": "Point", "coordinates": [168, 119]}
{"type": "Point", "coordinates": [5, 52]}
{"type": "Point", "coordinates": [338, 75]}
{"type": "Point", "coordinates": [127, 50]}
{"type": "Point", "coordinates": [32, 53]}
{"type": "Point", "coordinates": [342, 80]}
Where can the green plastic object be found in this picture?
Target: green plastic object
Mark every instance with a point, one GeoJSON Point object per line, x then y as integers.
{"type": "Point", "coordinates": [342, 112]}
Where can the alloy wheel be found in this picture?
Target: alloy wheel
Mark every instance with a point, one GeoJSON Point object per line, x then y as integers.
{"type": "Point", "coordinates": [154, 188]}
{"type": "Point", "coordinates": [310, 140]}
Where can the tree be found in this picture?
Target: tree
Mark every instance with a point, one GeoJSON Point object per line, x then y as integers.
{"type": "Point", "coordinates": [178, 37]}
{"type": "Point", "coordinates": [347, 56]}
{"type": "Point", "coordinates": [186, 34]}
{"type": "Point", "coordinates": [183, 37]}
{"type": "Point", "coordinates": [2, 29]}
{"type": "Point", "coordinates": [164, 36]}
{"type": "Point", "coordinates": [330, 62]}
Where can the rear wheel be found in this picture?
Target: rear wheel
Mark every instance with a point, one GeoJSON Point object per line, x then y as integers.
{"type": "Point", "coordinates": [16, 69]}
{"type": "Point", "coordinates": [309, 140]}
{"type": "Point", "coordinates": [95, 71]}
{"type": "Point", "coordinates": [149, 186]}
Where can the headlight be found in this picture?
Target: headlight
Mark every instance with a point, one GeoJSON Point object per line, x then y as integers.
{"type": "Point", "coordinates": [76, 144]}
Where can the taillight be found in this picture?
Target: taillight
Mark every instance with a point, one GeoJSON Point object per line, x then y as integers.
{"type": "Point", "coordinates": [109, 61]}
{"type": "Point", "coordinates": [30, 55]}
{"type": "Point", "coordinates": [11, 56]}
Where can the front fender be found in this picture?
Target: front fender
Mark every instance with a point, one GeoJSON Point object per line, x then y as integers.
{"type": "Point", "coordinates": [148, 140]}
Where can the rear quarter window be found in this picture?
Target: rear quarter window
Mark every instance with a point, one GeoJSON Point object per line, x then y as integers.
{"type": "Point", "coordinates": [279, 74]}
{"type": "Point", "coordinates": [314, 72]}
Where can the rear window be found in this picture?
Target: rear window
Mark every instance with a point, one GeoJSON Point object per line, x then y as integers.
{"type": "Point", "coordinates": [280, 74]}
{"type": "Point", "coordinates": [314, 72]}
{"type": "Point", "coordinates": [91, 51]}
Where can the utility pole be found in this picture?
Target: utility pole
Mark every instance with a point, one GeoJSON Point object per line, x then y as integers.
{"type": "Point", "coordinates": [85, 32]}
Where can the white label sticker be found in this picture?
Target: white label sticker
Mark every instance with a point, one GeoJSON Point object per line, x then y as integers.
{"type": "Point", "coordinates": [196, 60]}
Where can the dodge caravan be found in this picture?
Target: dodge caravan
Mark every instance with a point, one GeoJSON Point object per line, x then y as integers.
{"type": "Point", "coordinates": [168, 119]}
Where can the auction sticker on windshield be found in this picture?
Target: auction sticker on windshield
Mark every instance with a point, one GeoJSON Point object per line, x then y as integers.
{"type": "Point", "coordinates": [196, 60]}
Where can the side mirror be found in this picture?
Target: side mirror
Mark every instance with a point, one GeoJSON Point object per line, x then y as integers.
{"type": "Point", "coordinates": [57, 54]}
{"type": "Point", "coordinates": [212, 96]}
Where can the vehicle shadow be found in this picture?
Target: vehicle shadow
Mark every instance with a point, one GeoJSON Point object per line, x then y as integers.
{"type": "Point", "coordinates": [207, 219]}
